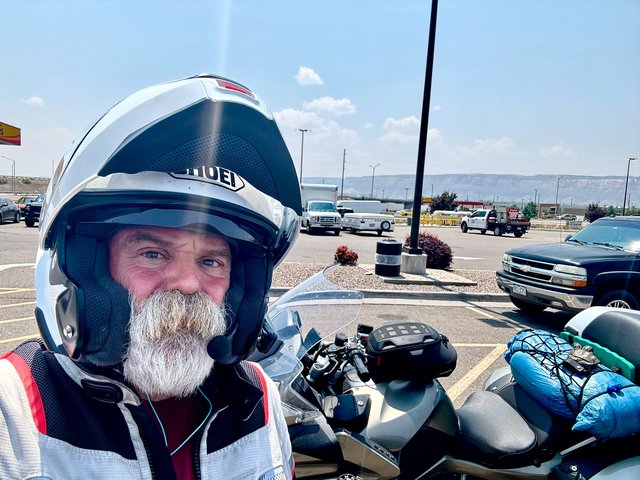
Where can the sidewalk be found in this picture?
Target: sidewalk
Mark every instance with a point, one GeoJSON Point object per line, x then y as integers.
{"type": "Point", "coordinates": [434, 284]}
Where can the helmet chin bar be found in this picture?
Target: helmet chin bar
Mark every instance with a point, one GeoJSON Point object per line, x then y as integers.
{"type": "Point", "coordinates": [94, 301]}
{"type": "Point", "coordinates": [247, 300]}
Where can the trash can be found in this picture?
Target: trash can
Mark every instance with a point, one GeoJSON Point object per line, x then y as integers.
{"type": "Point", "coordinates": [388, 257]}
{"type": "Point", "coordinates": [409, 221]}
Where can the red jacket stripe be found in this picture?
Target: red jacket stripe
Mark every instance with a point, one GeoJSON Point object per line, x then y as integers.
{"type": "Point", "coordinates": [32, 390]}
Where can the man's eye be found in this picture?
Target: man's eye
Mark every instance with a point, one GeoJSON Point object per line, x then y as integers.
{"type": "Point", "coordinates": [211, 262]}
{"type": "Point", "coordinates": [151, 254]}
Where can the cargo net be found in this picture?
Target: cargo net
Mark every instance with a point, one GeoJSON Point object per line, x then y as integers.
{"type": "Point", "coordinates": [544, 371]}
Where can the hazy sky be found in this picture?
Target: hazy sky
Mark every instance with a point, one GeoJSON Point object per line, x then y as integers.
{"type": "Point", "coordinates": [519, 86]}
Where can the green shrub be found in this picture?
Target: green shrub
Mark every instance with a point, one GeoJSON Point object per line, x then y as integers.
{"type": "Point", "coordinates": [439, 254]}
{"type": "Point", "coordinates": [345, 256]}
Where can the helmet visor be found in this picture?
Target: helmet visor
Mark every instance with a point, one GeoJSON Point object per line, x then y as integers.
{"type": "Point", "coordinates": [242, 239]}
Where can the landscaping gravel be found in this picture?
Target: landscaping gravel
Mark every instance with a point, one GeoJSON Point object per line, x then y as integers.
{"type": "Point", "coordinates": [290, 274]}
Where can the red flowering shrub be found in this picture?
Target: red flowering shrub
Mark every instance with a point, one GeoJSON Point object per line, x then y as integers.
{"type": "Point", "coordinates": [345, 256]}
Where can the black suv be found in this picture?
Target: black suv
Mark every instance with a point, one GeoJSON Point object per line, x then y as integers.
{"type": "Point", "coordinates": [32, 211]}
{"type": "Point", "coordinates": [599, 265]}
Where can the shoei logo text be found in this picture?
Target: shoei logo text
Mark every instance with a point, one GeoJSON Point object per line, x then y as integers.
{"type": "Point", "coordinates": [216, 175]}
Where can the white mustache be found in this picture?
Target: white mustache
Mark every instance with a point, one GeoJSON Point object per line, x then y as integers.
{"type": "Point", "coordinates": [168, 336]}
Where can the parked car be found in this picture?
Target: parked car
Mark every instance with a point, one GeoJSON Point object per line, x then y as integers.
{"type": "Point", "coordinates": [22, 202]}
{"type": "Point", "coordinates": [32, 211]}
{"type": "Point", "coordinates": [597, 266]}
{"type": "Point", "coordinates": [566, 216]}
{"type": "Point", "coordinates": [9, 211]}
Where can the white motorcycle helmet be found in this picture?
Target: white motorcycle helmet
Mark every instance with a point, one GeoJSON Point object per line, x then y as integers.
{"type": "Point", "coordinates": [202, 153]}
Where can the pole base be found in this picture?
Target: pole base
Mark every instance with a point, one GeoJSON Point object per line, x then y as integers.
{"type": "Point", "coordinates": [411, 250]}
{"type": "Point", "coordinates": [415, 264]}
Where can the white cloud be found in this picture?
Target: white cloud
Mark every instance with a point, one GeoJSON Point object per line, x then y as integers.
{"type": "Point", "coordinates": [368, 125]}
{"type": "Point", "coordinates": [331, 105]}
{"type": "Point", "coordinates": [437, 108]}
{"type": "Point", "coordinates": [290, 119]}
{"type": "Point", "coordinates": [307, 76]}
{"type": "Point", "coordinates": [555, 151]}
{"type": "Point", "coordinates": [404, 130]}
{"type": "Point", "coordinates": [34, 101]}
{"type": "Point", "coordinates": [488, 146]}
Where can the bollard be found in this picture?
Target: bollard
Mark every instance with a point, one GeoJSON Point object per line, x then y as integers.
{"type": "Point", "coordinates": [388, 257]}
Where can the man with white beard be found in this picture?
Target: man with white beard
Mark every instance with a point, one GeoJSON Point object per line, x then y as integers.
{"type": "Point", "coordinates": [158, 240]}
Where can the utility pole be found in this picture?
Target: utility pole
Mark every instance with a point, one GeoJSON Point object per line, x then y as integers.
{"type": "Point", "coordinates": [626, 183]}
{"type": "Point", "coordinates": [303, 131]}
{"type": "Point", "coordinates": [557, 189]}
{"type": "Point", "coordinates": [13, 174]}
{"type": "Point", "coordinates": [373, 175]}
{"type": "Point", "coordinates": [344, 155]}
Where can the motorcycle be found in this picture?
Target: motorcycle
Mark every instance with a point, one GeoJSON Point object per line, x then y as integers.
{"type": "Point", "coordinates": [364, 403]}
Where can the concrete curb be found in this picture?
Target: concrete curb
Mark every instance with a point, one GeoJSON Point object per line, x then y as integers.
{"type": "Point", "coordinates": [415, 295]}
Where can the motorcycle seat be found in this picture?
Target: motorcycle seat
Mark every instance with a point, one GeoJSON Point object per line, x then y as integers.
{"type": "Point", "coordinates": [493, 433]}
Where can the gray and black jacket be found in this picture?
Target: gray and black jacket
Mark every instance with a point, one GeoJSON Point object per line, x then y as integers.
{"type": "Point", "coordinates": [59, 422]}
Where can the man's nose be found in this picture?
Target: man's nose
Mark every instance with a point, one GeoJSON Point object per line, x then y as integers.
{"type": "Point", "coordinates": [184, 277]}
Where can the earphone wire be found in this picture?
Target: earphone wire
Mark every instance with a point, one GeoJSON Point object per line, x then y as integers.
{"type": "Point", "coordinates": [164, 435]}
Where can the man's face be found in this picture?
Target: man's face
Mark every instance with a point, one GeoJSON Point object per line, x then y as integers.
{"type": "Point", "coordinates": [149, 259]}
{"type": "Point", "coordinates": [177, 281]}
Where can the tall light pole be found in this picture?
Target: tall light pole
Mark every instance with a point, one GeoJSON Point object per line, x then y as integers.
{"type": "Point", "coordinates": [432, 191]}
{"type": "Point", "coordinates": [373, 175]}
{"type": "Point", "coordinates": [626, 183]}
{"type": "Point", "coordinates": [344, 159]}
{"type": "Point", "coordinates": [557, 189]}
{"type": "Point", "coordinates": [406, 191]}
{"type": "Point", "coordinates": [13, 174]}
{"type": "Point", "coordinates": [303, 131]}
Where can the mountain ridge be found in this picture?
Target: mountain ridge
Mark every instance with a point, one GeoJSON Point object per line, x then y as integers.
{"type": "Point", "coordinates": [570, 189]}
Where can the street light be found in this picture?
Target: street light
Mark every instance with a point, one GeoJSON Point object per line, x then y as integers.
{"type": "Point", "coordinates": [557, 189]}
{"type": "Point", "coordinates": [626, 183]}
{"type": "Point", "coordinates": [406, 191]}
{"type": "Point", "coordinates": [13, 174]}
{"type": "Point", "coordinates": [373, 175]}
{"type": "Point", "coordinates": [432, 191]}
{"type": "Point", "coordinates": [303, 131]}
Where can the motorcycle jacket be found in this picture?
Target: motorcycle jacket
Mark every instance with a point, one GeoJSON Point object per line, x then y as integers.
{"type": "Point", "coordinates": [59, 422]}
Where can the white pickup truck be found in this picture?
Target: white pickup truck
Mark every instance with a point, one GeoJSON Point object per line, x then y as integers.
{"type": "Point", "coordinates": [499, 221]}
{"type": "Point", "coordinates": [368, 222]}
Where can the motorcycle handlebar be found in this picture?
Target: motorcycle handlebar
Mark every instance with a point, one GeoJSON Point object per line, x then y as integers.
{"type": "Point", "coordinates": [357, 360]}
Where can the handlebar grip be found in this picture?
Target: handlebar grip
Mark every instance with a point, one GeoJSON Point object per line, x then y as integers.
{"type": "Point", "coordinates": [361, 368]}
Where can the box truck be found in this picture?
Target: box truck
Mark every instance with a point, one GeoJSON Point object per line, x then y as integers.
{"type": "Point", "coordinates": [319, 212]}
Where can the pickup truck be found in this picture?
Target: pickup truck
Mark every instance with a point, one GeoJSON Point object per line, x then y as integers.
{"type": "Point", "coordinates": [597, 266]}
{"type": "Point", "coordinates": [499, 220]}
{"type": "Point", "coordinates": [32, 211]}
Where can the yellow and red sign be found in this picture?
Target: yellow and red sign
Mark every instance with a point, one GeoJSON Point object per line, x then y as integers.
{"type": "Point", "coordinates": [9, 135]}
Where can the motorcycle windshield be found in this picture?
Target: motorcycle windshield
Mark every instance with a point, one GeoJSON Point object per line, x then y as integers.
{"type": "Point", "coordinates": [307, 314]}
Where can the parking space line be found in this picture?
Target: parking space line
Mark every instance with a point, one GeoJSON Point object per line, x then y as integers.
{"type": "Point", "coordinates": [17, 304]}
{"type": "Point", "coordinates": [19, 339]}
{"type": "Point", "coordinates": [15, 290]}
{"type": "Point", "coordinates": [471, 376]}
{"type": "Point", "coordinates": [12, 320]}
{"type": "Point", "coordinates": [484, 314]}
